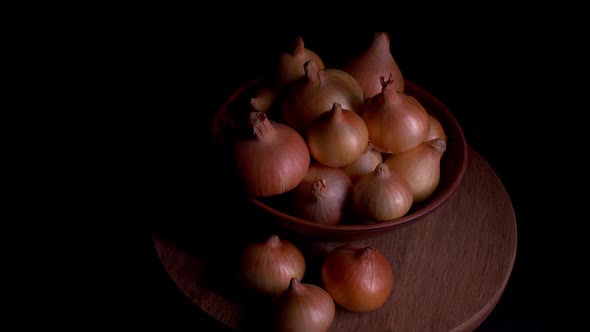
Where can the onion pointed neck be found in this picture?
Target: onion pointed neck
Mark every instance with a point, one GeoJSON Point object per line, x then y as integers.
{"type": "Point", "coordinates": [438, 144]}
{"type": "Point", "coordinates": [388, 88]}
{"type": "Point", "coordinates": [318, 188]}
{"type": "Point", "coordinates": [299, 46]}
{"type": "Point", "coordinates": [295, 286]}
{"type": "Point", "coordinates": [381, 42]}
{"type": "Point", "coordinates": [261, 126]}
{"type": "Point", "coordinates": [273, 241]}
{"type": "Point", "coordinates": [367, 252]}
{"type": "Point", "coordinates": [336, 111]}
{"type": "Point", "coordinates": [312, 72]}
{"type": "Point", "coordinates": [382, 170]}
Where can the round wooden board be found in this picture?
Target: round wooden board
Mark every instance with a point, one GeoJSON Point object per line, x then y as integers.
{"type": "Point", "coordinates": [450, 268]}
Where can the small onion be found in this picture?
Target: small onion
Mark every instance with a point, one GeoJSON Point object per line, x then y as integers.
{"type": "Point", "coordinates": [274, 160]}
{"type": "Point", "coordinates": [322, 195]}
{"type": "Point", "coordinates": [374, 62]}
{"type": "Point", "coordinates": [357, 276]}
{"type": "Point", "coordinates": [316, 93]}
{"type": "Point", "coordinates": [396, 121]}
{"type": "Point", "coordinates": [290, 65]}
{"type": "Point", "coordinates": [303, 308]}
{"type": "Point", "coordinates": [435, 129]}
{"type": "Point", "coordinates": [420, 167]}
{"type": "Point", "coordinates": [382, 195]}
{"type": "Point", "coordinates": [337, 137]}
{"type": "Point", "coordinates": [365, 164]}
{"type": "Point", "coordinates": [267, 267]}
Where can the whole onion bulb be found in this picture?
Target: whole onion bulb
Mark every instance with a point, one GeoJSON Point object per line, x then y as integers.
{"type": "Point", "coordinates": [396, 121]}
{"type": "Point", "coordinates": [273, 160]}
{"type": "Point", "coordinates": [382, 195]}
{"type": "Point", "coordinates": [323, 195]}
{"type": "Point", "coordinates": [357, 276]}
{"type": "Point", "coordinates": [337, 137]}
{"type": "Point", "coordinates": [267, 267]}
{"type": "Point", "coordinates": [303, 308]}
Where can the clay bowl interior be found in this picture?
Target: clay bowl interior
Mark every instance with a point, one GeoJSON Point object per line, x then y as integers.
{"type": "Point", "coordinates": [273, 209]}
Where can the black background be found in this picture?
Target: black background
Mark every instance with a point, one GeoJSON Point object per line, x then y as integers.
{"type": "Point", "coordinates": [105, 122]}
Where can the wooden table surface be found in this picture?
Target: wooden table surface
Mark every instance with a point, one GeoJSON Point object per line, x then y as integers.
{"type": "Point", "coordinates": [450, 268]}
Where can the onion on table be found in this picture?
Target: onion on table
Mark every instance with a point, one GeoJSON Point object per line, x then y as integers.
{"type": "Point", "coordinates": [358, 277]}
{"type": "Point", "coordinates": [268, 267]}
{"type": "Point", "coordinates": [330, 143]}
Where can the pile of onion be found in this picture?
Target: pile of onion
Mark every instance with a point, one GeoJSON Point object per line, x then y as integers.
{"type": "Point", "coordinates": [339, 141]}
{"type": "Point", "coordinates": [331, 142]}
{"type": "Point", "coordinates": [275, 269]}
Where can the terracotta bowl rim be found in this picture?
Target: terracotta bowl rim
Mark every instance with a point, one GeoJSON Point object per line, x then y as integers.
{"type": "Point", "coordinates": [362, 227]}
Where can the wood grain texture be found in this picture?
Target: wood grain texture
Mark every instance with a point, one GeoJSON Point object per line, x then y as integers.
{"type": "Point", "coordinates": [450, 268]}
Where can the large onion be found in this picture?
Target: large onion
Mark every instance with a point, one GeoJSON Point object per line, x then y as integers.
{"type": "Point", "coordinates": [357, 276]}
{"type": "Point", "coordinates": [396, 121]}
{"type": "Point", "coordinates": [273, 160]}
{"type": "Point", "coordinates": [323, 195]}
{"type": "Point", "coordinates": [382, 195]}
{"type": "Point", "coordinates": [338, 137]}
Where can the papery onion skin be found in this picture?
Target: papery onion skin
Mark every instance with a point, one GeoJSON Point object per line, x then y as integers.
{"type": "Point", "coordinates": [337, 137]}
{"type": "Point", "coordinates": [358, 277]}
{"type": "Point", "coordinates": [420, 167]}
{"type": "Point", "coordinates": [396, 121]}
{"type": "Point", "coordinates": [323, 195]}
{"type": "Point", "coordinates": [382, 195]}
{"type": "Point", "coordinates": [290, 65]}
{"type": "Point", "coordinates": [316, 93]}
{"type": "Point", "coordinates": [273, 161]}
{"type": "Point", "coordinates": [374, 62]}
{"type": "Point", "coordinates": [435, 129]}
{"type": "Point", "coordinates": [262, 100]}
{"type": "Point", "coordinates": [303, 308]}
{"type": "Point", "coordinates": [266, 268]}
{"type": "Point", "coordinates": [365, 164]}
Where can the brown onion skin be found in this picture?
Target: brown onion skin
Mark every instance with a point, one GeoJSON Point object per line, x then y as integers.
{"type": "Point", "coordinates": [273, 161]}
{"type": "Point", "coordinates": [262, 100]}
{"type": "Point", "coordinates": [358, 277]}
{"type": "Point", "coordinates": [374, 62]}
{"type": "Point", "coordinates": [382, 195]}
{"type": "Point", "coordinates": [435, 129]}
{"type": "Point", "coordinates": [303, 308]}
{"type": "Point", "coordinates": [420, 167]}
{"type": "Point", "coordinates": [337, 137]}
{"type": "Point", "coordinates": [290, 65]}
{"type": "Point", "coordinates": [316, 93]}
{"type": "Point", "coordinates": [266, 268]}
{"type": "Point", "coordinates": [324, 203]}
{"type": "Point", "coordinates": [396, 121]}
{"type": "Point", "coordinates": [365, 164]}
